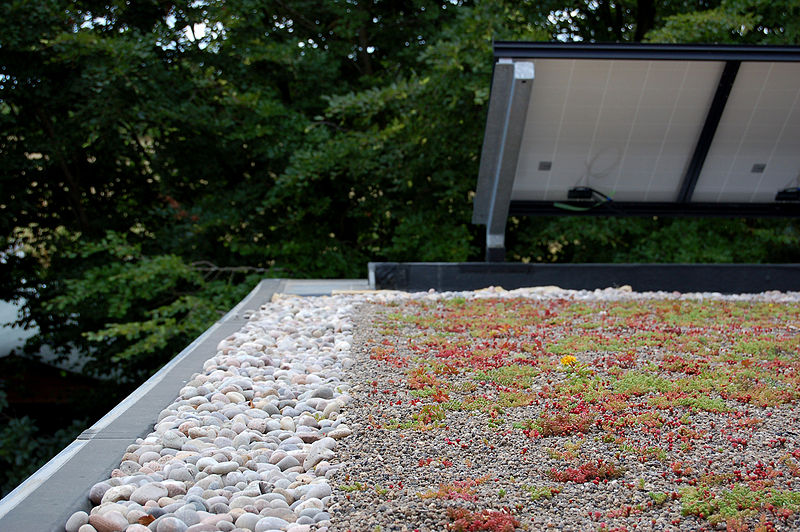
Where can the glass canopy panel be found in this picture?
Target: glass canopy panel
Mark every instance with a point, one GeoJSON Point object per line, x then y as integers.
{"type": "Point", "coordinates": [627, 128]}
{"type": "Point", "coordinates": [756, 150]}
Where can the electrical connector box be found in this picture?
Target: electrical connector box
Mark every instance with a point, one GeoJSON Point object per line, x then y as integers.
{"type": "Point", "coordinates": [580, 193]}
{"type": "Point", "coordinates": [788, 194]}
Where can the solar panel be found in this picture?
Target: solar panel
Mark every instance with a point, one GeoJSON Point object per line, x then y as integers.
{"type": "Point", "coordinates": [756, 150]}
{"type": "Point", "coordinates": [623, 127]}
{"type": "Point", "coordinates": [639, 130]}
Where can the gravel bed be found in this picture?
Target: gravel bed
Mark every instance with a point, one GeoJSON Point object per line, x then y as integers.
{"type": "Point", "coordinates": [295, 424]}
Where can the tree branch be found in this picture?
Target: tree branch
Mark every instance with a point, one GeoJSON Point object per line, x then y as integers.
{"type": "Point", "coordinates": [73, 192]}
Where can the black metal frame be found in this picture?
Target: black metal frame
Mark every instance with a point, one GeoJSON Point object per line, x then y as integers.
{"type": "Point", "coordinates": [444, 276]}
{"type": "Point", "coordinates": [646, 51]}
{"type": "Point", "coordinates": [671, 209]}
{"type": "Point", "coordinates": [713, 117]}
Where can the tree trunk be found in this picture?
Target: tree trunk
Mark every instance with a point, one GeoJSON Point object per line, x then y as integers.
{"type": "Point", "coordinates": [363, 43]}
{"type": "Point", "coordinates": [605, 22]}
{"type": "Point", "coordinates": [73, 194]}
{"type": "Point", "coordinates": [645, 18]}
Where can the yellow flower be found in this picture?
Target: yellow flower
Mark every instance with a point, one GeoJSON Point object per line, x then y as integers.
{"type": "Point", "coordinates": [568, 360]}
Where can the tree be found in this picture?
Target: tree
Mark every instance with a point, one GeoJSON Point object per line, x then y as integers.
{"type": "Point", "coordinates": [609, 20]}
{"type": "Point", "coordinates": [116, 134]}
{"type": "Point", "coordinates": [139, 143]}
{"type": "Point", "coordinates": [734, 21]}
{"type": "Point", "coordinates": [149, 146]}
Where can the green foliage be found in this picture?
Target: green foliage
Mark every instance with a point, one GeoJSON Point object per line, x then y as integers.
{"type": "Point", "coordinates": [639, 383]}
{"type": "Point", "coordinates": [541, 492]}
{"type": "Point", "coordinates": [136, 311]}
{"type": "Point", "coordinates": [355, 486]}
{"type": "Point", "coordinates": [714, 25]}
{"type": "Point", "coordinates": [658, 497]}
{"type": "Point", "coordinates": [682, 240]}
{"type": "Point", "coordinates": [24, 448]}
{"type": "Point", "coordinates": [734, 21]}
{"type": "Point", "coordinates": [300, 139]}
{"type": "Point", "coordinates": [739, 501]}
{"type": "Point", "coordinates": [612, 20]}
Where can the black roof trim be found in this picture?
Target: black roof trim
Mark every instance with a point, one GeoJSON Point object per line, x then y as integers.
{"type": "Point", "coordinates": [641, 208]}
{"type": "Point", "coordinates": [646, 51]}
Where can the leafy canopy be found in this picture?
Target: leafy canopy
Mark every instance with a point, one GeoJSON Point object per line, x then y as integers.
{"type": "Point", "coordinates": [160, 156]}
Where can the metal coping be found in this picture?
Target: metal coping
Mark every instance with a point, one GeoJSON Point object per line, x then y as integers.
{"type": "Point", "coordinates": [47, 498]}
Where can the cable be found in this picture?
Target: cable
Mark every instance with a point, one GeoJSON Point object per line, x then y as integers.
{"type": "Point", "coordinates": [575, 208]}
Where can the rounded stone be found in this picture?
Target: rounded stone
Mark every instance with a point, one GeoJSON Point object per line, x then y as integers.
{"type": "Point", "coordinates": [309, 437]}
{"type": "Point", "coordinates": [270, 408]}
{"type": "Point", "coordinates": [319, 451]}
{"type": "Point", "coordinates": [197, 502]}
{"type": "Point", "coordinates": [175, 488]}
{"type": "Point", "coordinates": [235, 397]}
{"type": "Point", "coordinates": [108, 522]}
{"type": "Point", "coordinates": [309, 503]}
{"type": "Point", "coordinates": [136, 527]}
{"type": "Point", "coordinates": [319, 491]}
{"type": "Point", "coordinates": [233, 478]}
{"type": "Point", "coordinates": [129, 467]}
{"type": "Point", "coordinates": [181, 474]}
{"type": "Point", "coordinates": [173, 439]}
{"type": "Point", "coordinates": [240, 502]}
{"type": "Point", "coordinates": [188, 515]}
{"type": "Point", "coordinates": [271, 523]}
{"type": "Point", "coordinates": [149, 456]}
{"type": "Point", "coordinates": [224, 467]}
{"type": "Point", "coordinates": [282, 513]}
{"type": "Point", "coordinates": [171, 524]}
{"type": "Point", "coordinates": [205, 462]}
{"type": "Point", "coordinates": [219, 508]}
{"type": "Point", "coordinates": [248, 521]}
{"type": "Point", "coordinates": [118, 493]}
{"type": "Point", "coordinates": [287, 423]}
{"type": "Point", "coordinates": [76, 520]}
{"type": "Point", "coordinates": [277, 503]}
{"type": "Point", "coordinates": [242, 440]}
{"type": "Point", "coordinates": [149, 492]}
{"type": "Point", "coordinates": [287, 461]}
{"type": "Point", "coordinates": [225, 526]}
{"type": "Point", "coordinates": [342, 431]}
{"type": "Point", "coordinates": [332, 408]}
{"type": "Point", "coordinates": [135, 514]}
{"type": "Point", "coordinates": [309, 512]}
{"type": "Point", "coordinates": [155, 511]}
{"type": "Point", "coordinates": [97, 491]}
{"type": "Point", "coordinates": [323, 392]}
